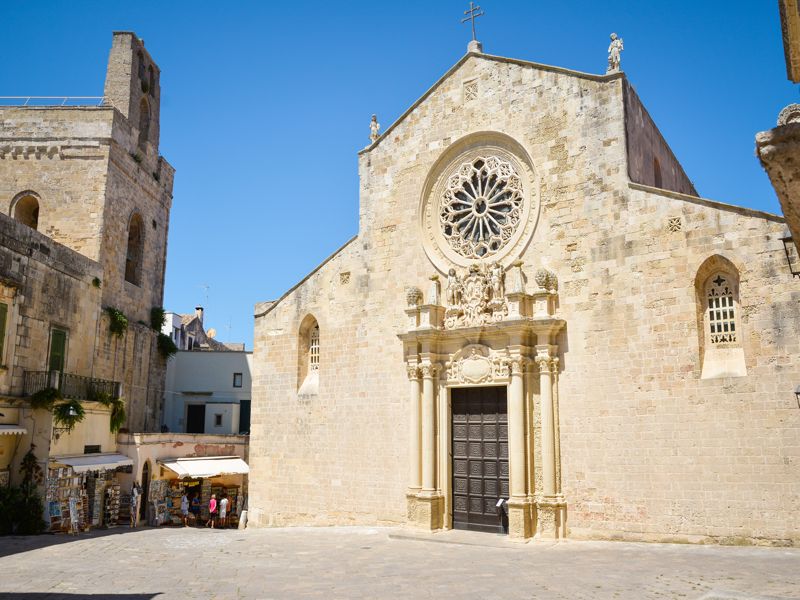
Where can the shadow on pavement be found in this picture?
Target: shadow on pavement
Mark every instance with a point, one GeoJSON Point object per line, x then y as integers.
{"type": "Point", "coordinates": [14, 544]}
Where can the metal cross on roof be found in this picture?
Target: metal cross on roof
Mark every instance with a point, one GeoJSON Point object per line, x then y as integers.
{"type": "Point", "coordinates": [473, 13]}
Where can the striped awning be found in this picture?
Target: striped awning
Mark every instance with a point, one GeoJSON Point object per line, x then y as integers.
{"type": "Point", "coordinates": [12, 430]}
{"type": "Point", "coordinates": [208, 466]}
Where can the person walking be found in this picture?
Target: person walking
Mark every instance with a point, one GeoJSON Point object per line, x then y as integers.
{"type": "Point", "coordinates": [223, 511]}
{"type": "Point", "coordinates": [185, 509]}
{"type": "Point", "coordinates": [212, 511]}
{"type": "Point", "coordinates": [195, 508]}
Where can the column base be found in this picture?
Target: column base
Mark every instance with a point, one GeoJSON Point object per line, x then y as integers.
{"type": "Point", "coordinates": [425, 511]}
{"type": "Point", "coordinates": [551, 518]}
{"type": "Point", "coordinates": [520, 518]}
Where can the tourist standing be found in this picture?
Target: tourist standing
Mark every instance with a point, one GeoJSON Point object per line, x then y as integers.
{"type": "Point", "coordinates": [185, 509]}
{"type": "Point", "coordinates": [212, 511]}
{"type": "Point", "coordinates": [195, 508]}
{"type": "Point", "coordinates": [223, 511]}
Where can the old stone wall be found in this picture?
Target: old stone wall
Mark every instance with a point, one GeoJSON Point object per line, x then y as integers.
{"type": "Point", "coordinates": [650, 159]}
{"type": "Point", "coordinates": [91, 170]}
{"type": "Point", "coordinates": [649, 450]}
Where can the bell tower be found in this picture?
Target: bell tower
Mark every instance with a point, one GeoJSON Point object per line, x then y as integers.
{"type": "Point", "coordinates": [133, 88]}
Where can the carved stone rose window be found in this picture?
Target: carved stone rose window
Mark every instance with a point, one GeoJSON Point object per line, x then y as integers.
{"type": "Point", "coordinates": [481, 207]}
{"type": "Point", "coordinates": [480, 203]}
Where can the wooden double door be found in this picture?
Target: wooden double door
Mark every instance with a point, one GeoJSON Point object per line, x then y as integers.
{"type": "Point", "coordinates": [480, 458]}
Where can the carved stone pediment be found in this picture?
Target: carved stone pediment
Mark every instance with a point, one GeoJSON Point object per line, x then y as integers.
{"type": "Point", "coordinates": [475, 364]}
{"type": "Point", "coordinates": [476, 298]}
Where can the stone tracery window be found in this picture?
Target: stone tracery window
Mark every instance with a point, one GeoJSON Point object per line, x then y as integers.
{"type": "Point", "coordinates": [481, 207]}
{"type": "Point", "coordinates": [721, 311]}
{"type": "Point", "coordinates": [313, 349]}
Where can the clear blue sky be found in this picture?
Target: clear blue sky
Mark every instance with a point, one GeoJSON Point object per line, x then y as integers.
{"type": "Point", "coordinates": [264, 106]}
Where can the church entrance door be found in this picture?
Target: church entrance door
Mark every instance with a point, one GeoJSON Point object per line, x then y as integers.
{"type": "Point", "coordinates": [480, 458]}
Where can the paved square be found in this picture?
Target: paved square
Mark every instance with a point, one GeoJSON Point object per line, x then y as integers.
{"type": "Point", "coordinates": [368, 563]}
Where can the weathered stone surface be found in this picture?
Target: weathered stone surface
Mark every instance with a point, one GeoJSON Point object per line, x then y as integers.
{"type": "Point", "coordinates": [645, 447]}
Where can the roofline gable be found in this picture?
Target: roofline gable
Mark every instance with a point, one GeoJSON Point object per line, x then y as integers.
{"type": "Point", "coordinates": [490, 57]}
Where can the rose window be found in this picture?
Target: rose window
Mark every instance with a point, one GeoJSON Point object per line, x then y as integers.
{"type": "Point", "coordinates": [481, 207]}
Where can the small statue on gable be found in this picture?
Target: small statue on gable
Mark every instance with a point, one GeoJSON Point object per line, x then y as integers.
{"type": "Point", "coordinates": [374, 128]}
{"type": "Point", "coordinates": [615, 49]}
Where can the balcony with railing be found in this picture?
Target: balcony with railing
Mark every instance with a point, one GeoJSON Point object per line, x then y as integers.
{"type": "Point", "coordinates": [74, 387]}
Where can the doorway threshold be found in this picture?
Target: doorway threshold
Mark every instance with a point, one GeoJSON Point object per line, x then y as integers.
{"type": "Point", "coordinates": [458, 536]}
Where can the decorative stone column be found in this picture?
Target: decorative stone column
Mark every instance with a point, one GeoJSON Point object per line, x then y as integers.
{"type": "Point", "coordinates": [519, 507]}
{"type": "Point", "coordinates": [428, 512]}
{"type": "Point", "coordinates": [415, 440]}
{"type": "Point", "coordinates": [550, 507]}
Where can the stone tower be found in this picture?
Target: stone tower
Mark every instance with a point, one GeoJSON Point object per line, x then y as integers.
{"type": "Point", "coordinates": [91, 178]}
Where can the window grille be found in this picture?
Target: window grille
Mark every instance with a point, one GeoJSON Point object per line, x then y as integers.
{"type": "Point", "coordinates": [721, 315]}
{"type": "Point", "coordinates": [313, 350]}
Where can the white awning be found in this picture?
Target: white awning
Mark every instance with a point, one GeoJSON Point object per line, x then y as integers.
{"type": "Point", "coordinates": [94, 462]}
{"type": "Point", "coordinates": [12, 430]}
{"type": "Point", "coordinates": [207, 466]}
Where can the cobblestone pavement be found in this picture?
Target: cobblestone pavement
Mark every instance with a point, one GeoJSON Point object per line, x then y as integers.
{"type": "Point", "coordinates": [367, 563]}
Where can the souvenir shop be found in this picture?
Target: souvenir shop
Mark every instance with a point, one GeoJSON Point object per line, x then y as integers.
{"type": "Point", "coordinates": [199, 478]}
{"type": "Point", "coordinates": [84, 492]}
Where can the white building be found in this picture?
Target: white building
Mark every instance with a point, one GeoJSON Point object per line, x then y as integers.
{"type": "Point", "coordinates": [208, 392]}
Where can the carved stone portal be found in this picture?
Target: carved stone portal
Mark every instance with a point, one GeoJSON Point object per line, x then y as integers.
{"type": "Point", "coordinates": [475, 364]}
{"type": "Point", "coordinates": [477, 298]}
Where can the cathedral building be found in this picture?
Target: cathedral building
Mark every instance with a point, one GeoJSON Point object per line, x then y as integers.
{"type": "Point", "coordinates": [540, 329]}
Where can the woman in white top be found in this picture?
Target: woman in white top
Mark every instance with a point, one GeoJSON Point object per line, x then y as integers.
{"type": "Point", "coordinates": [223, 510]}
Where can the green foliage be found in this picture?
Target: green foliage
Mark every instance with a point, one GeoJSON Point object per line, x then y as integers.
{"type": "Point", "coordinates": [96, 282]}
{"type": "Point", "coordinates": [158, 317]}
{"type": "Point", "coordinates": [21, 507]}
{"type": "Point", "coordinates": [166, 347]}
{"type": "Point", "coordinates": [45, 398]}
{"type": "Point", "coordinates": [117, 414]}
{"type": "Point", "coordinates": [100, 396]}
{"type": "Point", "coordinates": [118, 321]}
{"type": "Point", "coordinates": [62, 416]}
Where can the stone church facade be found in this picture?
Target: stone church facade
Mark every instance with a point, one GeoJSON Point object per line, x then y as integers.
{"type": "Point", "coordinates": [540, 328]}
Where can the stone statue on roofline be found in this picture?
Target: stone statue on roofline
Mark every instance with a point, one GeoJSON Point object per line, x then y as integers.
{"type": "Point", "coordinates": [374, 128]}
{"type": "Point", "coordinates": [615, 49]}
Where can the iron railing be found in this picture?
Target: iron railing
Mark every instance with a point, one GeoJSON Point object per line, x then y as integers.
{"type": "Point", "coordinates": [53, 101]}
{"type": "Point", "coordinates": [71, 386]}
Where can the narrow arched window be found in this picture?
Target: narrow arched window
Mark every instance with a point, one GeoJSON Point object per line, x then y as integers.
{"type": "Point", "coordinates": [719, 321]}
{"type": "Point", "coordinates": [152, 79]}
{"type": "Point", "coordinates": [656, 173]}
{"type": "Point", "coordinates": [144, 122]}
{"type": "Point", "coordinates": [308, 354]}
{"type": "Point", "coordinates": [721, 310]}
{"type": "Point", "coordinates": [133, 257]}
{"type": "Point", "coordinates": [26, 210]}
{"type": "Point", "coordinates": [313, 349]}
{"type": "Point", "coordinates": [141, 69]}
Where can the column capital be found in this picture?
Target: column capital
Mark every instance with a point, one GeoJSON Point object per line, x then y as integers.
{"type": "Point", "coordinates": [413, 372]}
{"type": "Point", "coordinates": [518, 364]}
{"type": "Point", "coordinates": [429, 370]}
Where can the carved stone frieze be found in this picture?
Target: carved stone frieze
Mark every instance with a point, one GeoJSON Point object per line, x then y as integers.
{"type": "Point", "coordinates": [475, 364]}
{"type": "Point", "coordinates": [477, 298]}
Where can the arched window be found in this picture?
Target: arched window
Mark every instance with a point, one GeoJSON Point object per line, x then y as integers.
{"type": "Point", "coordinates": [721, 310]}
{"type": "Point", "coordinates": [719, 321]}
{"type": "Point", "coordinates": [308, 357]}
{"type": "Point", "coordinates": [25, 209]}
{"type": "Point", "coordinates": [144, 122]}
{"type": "Point", "coordinates": [313, 349]}
{"type": "Point", "coordinates": [656, 173]}
{"type": "Point", "coordinates": [133, 257]}
{"type": "Point", "coordinates": [152, 79]}
{"type": "Point", "coordinates": [141, 69]}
